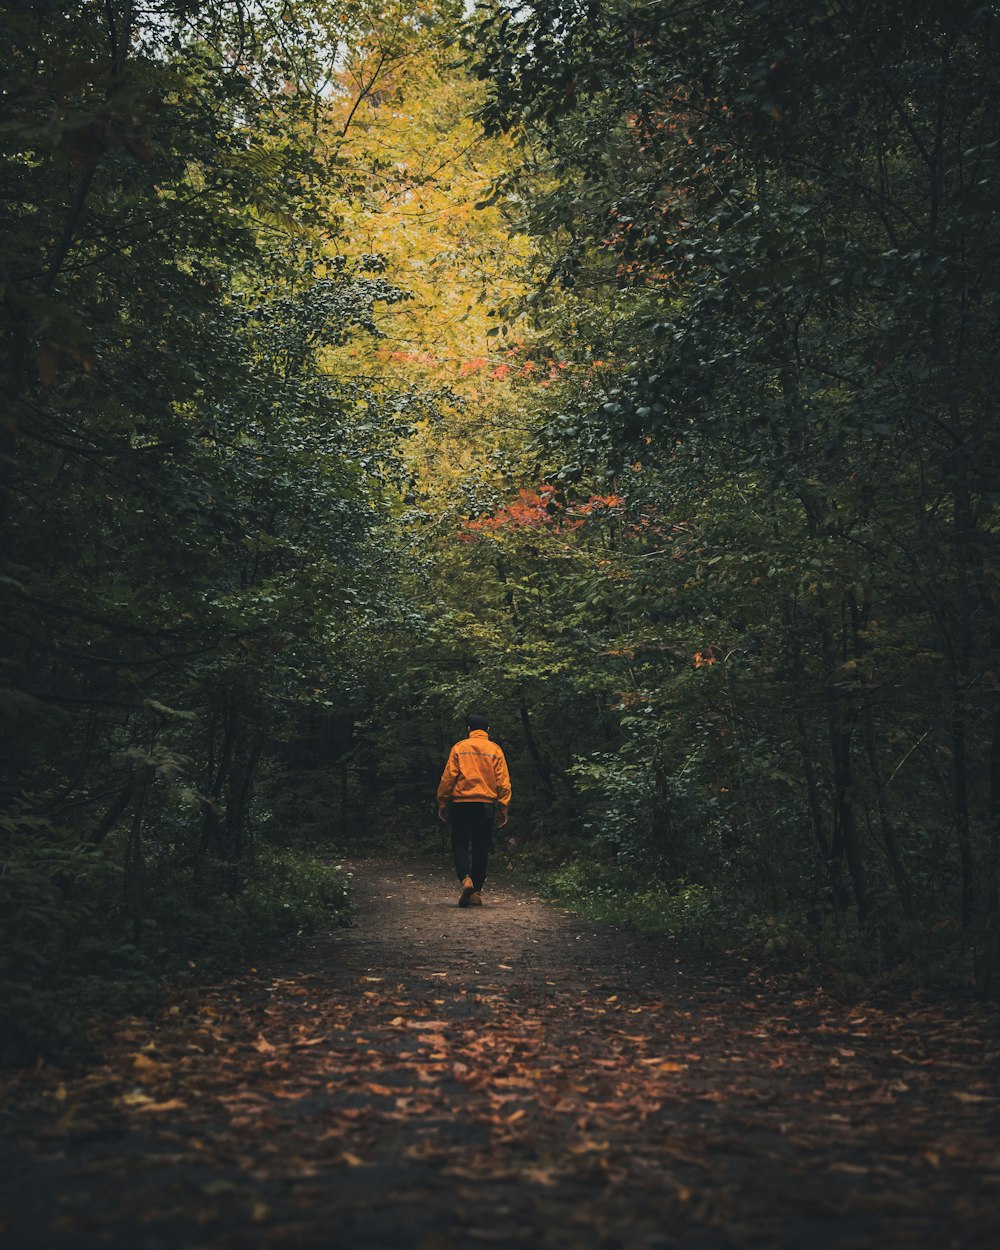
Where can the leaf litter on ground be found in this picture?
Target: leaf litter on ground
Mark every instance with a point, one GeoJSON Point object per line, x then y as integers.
{"type": "Point", "coordinates": [602, 1089]}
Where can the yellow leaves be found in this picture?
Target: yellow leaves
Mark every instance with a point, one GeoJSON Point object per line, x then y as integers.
{"type": "Point", "coordinates": [430, 166]}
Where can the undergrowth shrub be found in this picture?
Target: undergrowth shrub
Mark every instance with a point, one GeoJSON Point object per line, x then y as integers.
{"type": "Point", "coordinates": [930, 951]}
{"type": "Point", "coordinates": [678, 909]}
{"type": "Point", "coordinates": [70, 952]}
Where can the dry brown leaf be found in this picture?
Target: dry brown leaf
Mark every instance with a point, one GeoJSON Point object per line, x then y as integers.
{"type": "Point", "coordinates": [172, 1104]}
{"type": "Point", "coordinates": [135, 1098]}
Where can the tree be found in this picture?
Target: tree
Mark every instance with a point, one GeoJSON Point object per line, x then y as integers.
{"type": "Point", "coordinates": [782, 212]}
{"type": "Point", "coordinates": [195, 517]}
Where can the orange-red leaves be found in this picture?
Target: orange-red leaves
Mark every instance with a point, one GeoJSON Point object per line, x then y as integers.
{"type": "Point", "coordinates": [542, 508]}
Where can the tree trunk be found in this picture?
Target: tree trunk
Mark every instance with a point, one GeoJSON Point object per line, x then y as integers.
{"type": "Point", "coordinates": [537, 758]}
{"type": "Point", "coordinates": [840, 713]}
{"type": "Point", "coordinates": [964, 525]}
{"type": "Point", "coordinates": [860, 616]}
{"type": "Point", "coordinates": [539, 761]}
{"type": "Point", "coordinates": [132, 882]}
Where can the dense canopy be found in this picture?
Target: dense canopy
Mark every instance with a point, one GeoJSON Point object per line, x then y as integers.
{"type": "Point", "coordinates": [624, 369]}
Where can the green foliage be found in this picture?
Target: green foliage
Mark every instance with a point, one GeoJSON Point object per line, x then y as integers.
{"type": "Point", "coordinates": [627, 895]}
{"type": "Point", "coordinates": [717, 560]}
{"type": "Point", "coordinates": [68, 948]}
{"type": "Point", "coordinates": [933, 953]}
{"type": "Point", "coordinates": [193, 501]}
{"type": "Point", "coordinates": [291, 894]}
{"type": "Point", "coordinates": [772, 270]}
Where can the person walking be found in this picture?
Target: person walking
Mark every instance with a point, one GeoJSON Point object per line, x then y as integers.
{"type": "Point", "coordinates": [474, 782]}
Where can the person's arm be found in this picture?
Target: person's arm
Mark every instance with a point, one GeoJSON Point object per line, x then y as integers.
{"type": "Point", "coordinates": [447, 784]}
{"type": "Point", "coordinates": [503, 787]}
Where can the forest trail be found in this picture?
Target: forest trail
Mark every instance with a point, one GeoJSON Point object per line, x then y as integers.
{"type": "Point", "coordinates": [434, 1078]}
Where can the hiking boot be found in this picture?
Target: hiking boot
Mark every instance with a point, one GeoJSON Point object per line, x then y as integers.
{"type": "Point", "coordinates": [477, 899]}
{"type": "Point", "coordinates": [467, 891]}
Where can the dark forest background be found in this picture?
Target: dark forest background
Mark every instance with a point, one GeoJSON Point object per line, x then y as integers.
{"type": "Point", "coordinates": [713, 544]}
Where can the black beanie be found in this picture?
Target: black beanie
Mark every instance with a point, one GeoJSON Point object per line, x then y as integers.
{"type": "Point", "coordinates": [477, 722]}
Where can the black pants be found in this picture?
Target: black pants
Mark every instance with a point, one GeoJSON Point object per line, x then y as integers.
{"type": "Point", "coordinates": [471, 840]}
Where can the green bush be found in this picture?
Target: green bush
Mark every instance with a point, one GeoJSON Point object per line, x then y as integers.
{"type": "Point", "coordinates": [621, 894]}
{"type": "Point", "coordinates": [290, 895]}
{"type": "Point", "coordinates": [68, 950]}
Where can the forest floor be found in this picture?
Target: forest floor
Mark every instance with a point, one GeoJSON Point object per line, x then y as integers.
{"type": "Point", "coordinates": [512, 1076]}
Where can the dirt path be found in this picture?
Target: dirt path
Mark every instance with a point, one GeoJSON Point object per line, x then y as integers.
{"type": "Point", "coordinates": [434, 1078]}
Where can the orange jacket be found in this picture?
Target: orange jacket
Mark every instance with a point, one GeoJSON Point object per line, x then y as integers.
{"type": "Point", "coordinates": [476, 772]}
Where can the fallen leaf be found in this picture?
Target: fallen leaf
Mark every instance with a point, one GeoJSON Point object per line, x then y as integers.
{"type": "Point", "coordinates": [541, 1176]}
{"type": "Point", "coordinates": [136, 1098]}
{"type": "Point", "coordinates": [220, 1185]}
{"type": "Point", "coordinates": [172, 1104]}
